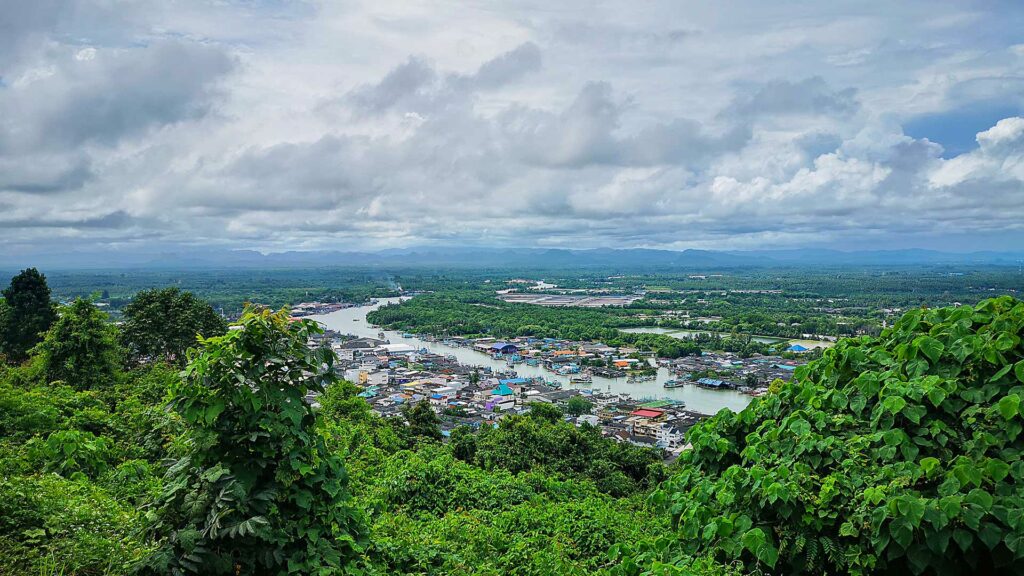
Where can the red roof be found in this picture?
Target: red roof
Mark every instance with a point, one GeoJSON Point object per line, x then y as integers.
{"type": "Point", "coordinates": [647, 413]}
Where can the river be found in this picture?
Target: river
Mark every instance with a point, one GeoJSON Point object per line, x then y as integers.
{"type": "Point", "coordinates": [683, 333]}
{"type": "Point", "coordinates": [353, 321]}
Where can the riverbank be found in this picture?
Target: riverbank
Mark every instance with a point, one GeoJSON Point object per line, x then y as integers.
{"type": "Point", "coordinates": [353, 321]}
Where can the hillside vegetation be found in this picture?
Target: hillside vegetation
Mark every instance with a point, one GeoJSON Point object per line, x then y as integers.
{"type": "Point", "coordinates": [894, 454]}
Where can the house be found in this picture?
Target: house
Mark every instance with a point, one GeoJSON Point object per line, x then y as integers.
{"type": "Point", "coordinates": [360, 344]}
{"type": "Point", "coordinates": [669, 436]}
{"type": "Point", "coordinates": [503, 390]}
{"type": "Point", "coordinates": [397, 348]}
{"type": "Point", "coordinates": [645, 422]}
{"type": "Point", "coordinates": [713, 384]}
{"type": "Point", "coordinates": [504, 348]}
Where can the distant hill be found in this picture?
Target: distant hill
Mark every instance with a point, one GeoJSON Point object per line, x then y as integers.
{"type": "Point", "coordinates": [510, 257]}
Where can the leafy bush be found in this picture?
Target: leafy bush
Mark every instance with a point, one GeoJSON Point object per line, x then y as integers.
{"type": "Point", "coordinates": [257, 492]}
{"type": "Point", "coordinates": [68, 452]}
{"type": "Point", "coordinates": [77, 527]}
{"type": "Point", "coordinates": [81, 348]}
{"type": "Point", "coordinates": [894, 454]}
{"type": "Point", "coordinates": [541, 440]}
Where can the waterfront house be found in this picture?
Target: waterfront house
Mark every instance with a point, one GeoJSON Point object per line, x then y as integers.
{"type": "Point", "coordinates": [503, 348]}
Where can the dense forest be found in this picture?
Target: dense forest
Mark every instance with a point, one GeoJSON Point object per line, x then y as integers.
{"type": "Point", "coordinates": [783, 302]}
{"type": "Point", "coordinates": [130, 449]}
{"type": "Point", "coordinates": [226, 290]}
{"type": "Point", "coordinates": [479, 313]}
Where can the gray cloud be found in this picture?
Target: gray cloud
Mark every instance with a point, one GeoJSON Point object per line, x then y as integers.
{"type": "Point", "coordinates": [808, 96]}
{"type": "Point", "coordinates": [116, 219]}
{"type": "Point", "coordinates": [103, 97]}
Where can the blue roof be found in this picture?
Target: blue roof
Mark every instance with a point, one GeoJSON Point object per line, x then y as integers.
{"type": "Point", "coordinates": [502, 390]}
{"type": "Point", "coordinates": [513, 381]}
{"type": "Point", "coordinates": [500, 345]}
{"type": "Point", "coordinates": [710, 382]}
{"type": "Point", "coordinates": [436, 396]}
{"type": "Point", "coordinates": [796, 348]}
{"type": "Point", "coordinates": [785, 367]}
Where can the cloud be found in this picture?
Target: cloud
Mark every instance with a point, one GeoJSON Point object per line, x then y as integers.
{"type": "Point", "coordinates": [298, 126]}
{"type": "Point", "coordinates": [415, 86]}
{"type": "Point", "coordinates": [998, 159]}
{"type": "Point", "coordinates": [508, 67]}
{"type": "Point", "coordinates": [810, 96]}
{"type": "Point", "coordinates": [111, 95]}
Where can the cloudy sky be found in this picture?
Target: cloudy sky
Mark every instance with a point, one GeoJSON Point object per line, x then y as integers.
{"type": "Point", "coordinates": [286, 125]}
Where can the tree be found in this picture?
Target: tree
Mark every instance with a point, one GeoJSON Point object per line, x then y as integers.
{"type": "Point", "coordinates": [578, 406]}
{"type": "Point", "coordinates": [546, 412]}
{"type": "Point", "coordinates": [81, 349]}
{"type": "Point", "coordinates": [258, 492]}
{"type": "Point", "coordinates": [165, 323]}
{"type": "Point", "coordinates": [423, 421]}
{"type": "Point", "coordinates": [896, 454]}
{"type": "Point", "coordinates": [27, 314]}
{"type": "Point", "coordinates": [463, 443]}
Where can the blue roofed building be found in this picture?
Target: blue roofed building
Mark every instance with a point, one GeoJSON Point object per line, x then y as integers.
{"type": "Point", "coordinates": [504, 348]}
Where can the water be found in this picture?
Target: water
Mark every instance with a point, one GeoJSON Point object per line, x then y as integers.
{"type": "Point", "coordinates": [683, 333]}
{"type": "Point", "coordinates": [353, 321]}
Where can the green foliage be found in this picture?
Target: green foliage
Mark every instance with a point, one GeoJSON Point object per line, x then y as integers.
{"type": "Point", "coordinates": [423, 422]}
{"type": "Point", "coordinates": [71, 452]}
{"type": "Point", "coordinates": [474, 313]}
{"type": "Point", "coordinates": [896, 454]}
{"type": "Point", "coordinates": [81, 348]}
{"type": "Point", "coordinates": [578, 406]}
{"type": "Point", "coordinates": [257, 491]}
{"type": "Point", "coordinates": [26, 313]}
{"type": "Point", "coordinates": [228, 290]}
{"type": "Point", "coordinates": [164, 324]}
{"type": "Point", "coordinates": [542, 441]}
{"type": "Point", "coordinates": [443, 516]}
{"type": "Point", "coordinates": [77, 526]}
{"type": "Point", "coordinates": [546, 412]}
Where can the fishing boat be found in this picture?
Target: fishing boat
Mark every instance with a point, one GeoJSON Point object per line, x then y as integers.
{"type": "Point", "coordinates": [581, 379]}
{"type": "Point", "coordinates": [674, 383]}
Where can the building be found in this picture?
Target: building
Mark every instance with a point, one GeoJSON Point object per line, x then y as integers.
{"type": "Point", "coordinates": [398, 348]}
{"type": "Point", "coordinates": [645, 422]}
{"type": "Point", "coordinates": [504, 348]}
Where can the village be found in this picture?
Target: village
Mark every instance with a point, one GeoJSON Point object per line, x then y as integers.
{"type": "Point", "coordinates": [393, 376]}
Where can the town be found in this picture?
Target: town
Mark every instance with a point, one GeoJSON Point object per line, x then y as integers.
{"type": "Point", "coordinates": [394, 376]}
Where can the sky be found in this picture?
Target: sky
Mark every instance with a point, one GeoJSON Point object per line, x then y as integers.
{"type": "Point", "coordinates": [358, 125]}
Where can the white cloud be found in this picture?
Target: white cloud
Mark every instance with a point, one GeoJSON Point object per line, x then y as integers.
{"type": "Point", "coordinates": [281, 126]}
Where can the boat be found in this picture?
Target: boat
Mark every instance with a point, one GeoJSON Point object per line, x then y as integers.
{"type": "Point", "coordinates": [406, 335]}
{"type": "Point", "coordinates": [674, 383]}
{"type": "Point", "coordinates": [380, 335]}
{"type": "Point", "coordinates": [581, 379]}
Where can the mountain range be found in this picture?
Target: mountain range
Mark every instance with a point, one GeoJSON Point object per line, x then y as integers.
{"type": "Point", "coordinates": [492, 257]}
